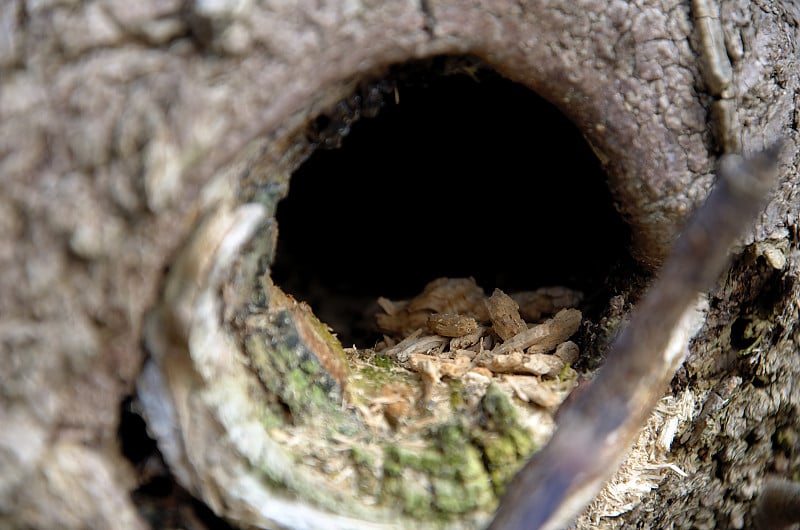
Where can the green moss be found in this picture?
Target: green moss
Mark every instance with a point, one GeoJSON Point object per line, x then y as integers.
{"type": "Point", "coordinates": [450, 498]}
{"type": "Point", "coordinates": [270, 419]}
{"type": "Point", "coordinates": [367, 381]}
{"type": "Point", "coordinates": [297, 381]}
{"type": "Point", "coordinates": [505, 443]}
{"type": "Point", "coordinates": [310, 367]}
{"type": "Point", "coordinates": [365, 465]}
{"type": "Point", "coordinates": [567, 373]}
{"type": "Point", "coordinates": [383, 362]}
{"type": "Point", "coordinates": [447, 473]}
{"type": "Point", "coordinates": [499, 450]}
{"type": "Point", "coordinates": [504, 455]}
{"type": "Point", "coordinates": [361, 457]}
{"type": "Point", "coordinates": [411, 496]}
{"type": "Point", "coordinates": [451, 471]}
{"type": "Point", "coordinates": [499, 413]}
{"type": "Point", "coordinates": [457, 398]}
{"type": "Point", "coordinates": [399, 458]}
{"type": "Point", "coordinates": [374, 378]}
{"type": "Point", "coordinates": [461, 484]}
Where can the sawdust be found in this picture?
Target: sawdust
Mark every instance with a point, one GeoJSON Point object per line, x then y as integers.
{"type": "Point", "coordinates": [453, 331]}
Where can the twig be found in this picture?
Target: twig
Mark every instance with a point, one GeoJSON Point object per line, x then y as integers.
{"type": "Point", "coordinates": [597, 430]}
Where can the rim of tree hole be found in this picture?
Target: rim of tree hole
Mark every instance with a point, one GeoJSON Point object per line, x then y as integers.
{"type": "Point", "coordinates": [442, 168]}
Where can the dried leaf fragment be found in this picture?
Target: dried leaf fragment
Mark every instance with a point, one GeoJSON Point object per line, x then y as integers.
{"type": "Point", "coordinates": [504, 314]}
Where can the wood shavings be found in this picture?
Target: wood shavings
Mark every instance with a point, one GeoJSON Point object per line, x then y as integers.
{"type": "Point", "coordinates": [453, 349]}
{"type": "Point", "coordinates": [545, 301]}
{"type": "Point", "coordinates": [427, 367]}
{"type": "Point", "coordinates": [531, 389]}
{"type": "Point", "coordinates": [444, 367]}
{"type": "Point", "coordinates": [567, 351]}
{"type": "Point", "coordinates": [484, 337]}
{"type": "Point", "coordinates": [452, 324]}
{"type": "Point", "coordinates": [666, 435]}
{"type": "Point", "coordinates": [398, 402]}
{"type": "Point", "coordinates": [716, 399]}
{"type": "Point", "coordinates": [504, 314]}
{"type": "Point", "coordinates": [452, 295]}
{"type": "Point", "coordinates": [517, 362]}
{"type": "Point", "coordinates": [645, 466]}
{"type": "Point", "coordinates": [398, 319]}
{"type": "Point", "coordinates": [459, 296]}
{"type": "Point", "coordinates": [543, 337]}
{"type": "Point", "coordinates": [470, 339]}
{"type": "Point", "coordinates": [414, 344]}
{"type": "Point", "coordinates": [481, 371]}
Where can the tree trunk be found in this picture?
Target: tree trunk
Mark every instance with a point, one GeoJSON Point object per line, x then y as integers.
{"type": "Point", "coordinates": [145, 147]}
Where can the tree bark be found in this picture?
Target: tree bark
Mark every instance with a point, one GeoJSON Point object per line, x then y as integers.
{"type": "Point", "coordinates": [122, 125]}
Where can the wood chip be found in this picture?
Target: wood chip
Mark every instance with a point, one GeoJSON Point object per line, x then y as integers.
{"type": "Point", "coordinates": [504, 314]}
{"type": "Point", "coordinates": [470, 339]}
{"type": "Point", "coordinates": [452, 295]}
{"type": "Point", "coordinates": [443, 367]}
{"type": "Point", "coordinates": [391, 308]}
{"type": "Point", "coordinates": [399, 400]}
{"type": "Point", "coordinates": [568, 351]}
{"type": "Point", "coordinates": [543, 337]}
{"type": "Point", "coordinates": [452, 324]}
{"type": "Point", "coordinates": [401, 321]}
{"type": "Point", "coordinates": [521, 363]}
{"type": "Point", "coordinates": [414, 344]}
{"type": "Point", "coordinates": [531, 390]}
{"type": "Point", "coordinates": [480, 371]}
{"type": "Point", "coordinates": [545, 301]}
{"type": "Point", "coordinates": [466, 353]}
{"type": "Point", "coordinates": [427, 367]}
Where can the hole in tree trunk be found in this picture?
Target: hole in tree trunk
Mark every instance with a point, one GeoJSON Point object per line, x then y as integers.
{"type": "Point", "coordinates": [466, 174]}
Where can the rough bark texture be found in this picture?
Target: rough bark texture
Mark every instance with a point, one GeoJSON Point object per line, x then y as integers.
{"type": "Point", "coordinates": [115, 114]}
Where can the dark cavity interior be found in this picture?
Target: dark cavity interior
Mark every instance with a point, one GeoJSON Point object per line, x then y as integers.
{"type": "Point", "coordinates": [466, 174]}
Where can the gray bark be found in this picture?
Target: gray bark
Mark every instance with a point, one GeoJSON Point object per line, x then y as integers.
{"type": "Point", "coordinates": [114, 115]}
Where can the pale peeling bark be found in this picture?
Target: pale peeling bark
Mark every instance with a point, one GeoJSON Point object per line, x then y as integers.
{"type": "Point", "coordinates": [115, 117]}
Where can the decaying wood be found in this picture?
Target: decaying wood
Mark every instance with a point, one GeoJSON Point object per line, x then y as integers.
{"type": "Point", "coordinates": [504, 314]}
{"type": "Point", "coordinates": [452, 324]}
{"type": "Point", "coordinates": [545, 301]}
